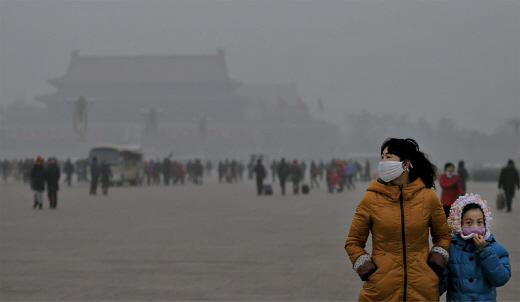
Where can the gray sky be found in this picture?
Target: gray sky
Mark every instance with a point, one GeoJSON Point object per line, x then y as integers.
{"type": "Point", "coordinates": [457, 59]}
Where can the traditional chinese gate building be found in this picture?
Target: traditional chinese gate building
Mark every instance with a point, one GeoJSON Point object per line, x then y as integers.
{"type": "Point", "coordinates": [180, 104]}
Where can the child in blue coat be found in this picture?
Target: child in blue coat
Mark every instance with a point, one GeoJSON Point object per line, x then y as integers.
{"type": "Point", "coordinates": [477, 264]}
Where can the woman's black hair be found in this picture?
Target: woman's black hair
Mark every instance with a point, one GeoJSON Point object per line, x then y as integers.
{"type": "Point", "coordinates": [470, 206]}
{"type": "Point", "coordinates": [408, 149]}
{"type": "Point", "coordinates": [447, 165]}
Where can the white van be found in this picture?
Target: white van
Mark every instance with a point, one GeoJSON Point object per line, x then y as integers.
{"type": "Point", "coordinates": [126, 162]}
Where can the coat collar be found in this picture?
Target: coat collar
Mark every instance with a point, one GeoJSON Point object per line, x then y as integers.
{"type": "Point", "coordinates": [392, 192]}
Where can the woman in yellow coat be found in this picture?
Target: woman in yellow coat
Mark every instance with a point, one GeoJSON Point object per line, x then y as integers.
{"type": "Point", "coordinates": [399, 210]}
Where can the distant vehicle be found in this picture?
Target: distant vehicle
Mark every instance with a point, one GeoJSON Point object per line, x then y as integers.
{"type": "Point", "coordinates": [126, 162]}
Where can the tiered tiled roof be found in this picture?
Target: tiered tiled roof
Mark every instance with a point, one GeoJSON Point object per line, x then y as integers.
{"type": "Point", "coordinates": [150, 69]}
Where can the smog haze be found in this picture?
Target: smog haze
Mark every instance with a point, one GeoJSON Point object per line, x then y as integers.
{"type": "Point", "coordinates": [425, 60]}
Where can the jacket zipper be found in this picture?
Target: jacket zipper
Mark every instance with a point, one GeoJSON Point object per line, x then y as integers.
{"type": "Point", "coordinates": [404, 242]}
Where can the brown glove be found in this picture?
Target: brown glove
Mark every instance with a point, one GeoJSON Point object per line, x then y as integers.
{"type": "Point", "coordinates": [366, 270]}
{"type": "Point", "coordinates": [437, 262]}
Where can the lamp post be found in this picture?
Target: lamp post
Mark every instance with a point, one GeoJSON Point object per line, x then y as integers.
{"type": "Point", "coordinates": [151, 127]}
{"type": "Point", "coordinates": [80, 120]}
{"type": "Point", "coordinates": [201, 138]}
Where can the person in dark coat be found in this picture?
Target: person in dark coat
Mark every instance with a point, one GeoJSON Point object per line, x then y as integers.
{"type": "Point", "coordinates": [314, 172]}
{"type": "Point", "coordinates": [221, 168]}
{"type": "Point", "coordinates": [167, 171]}
{"type": "Point", "coordinates": [94, 173]}
{"type": "Point", "coordinates": [52, 178]}
{"type": "Point", "coordinates": [197, 171]}
{"type": "Point", "coordinates": [283, 172]}
{"type": "Point", "coordinates": [508, 180]}
{"type": "Point", "coordinates": [463, 175]}
{"type": "Point", "coordinates": [68, 168]}
{"type": "Point", "coordinates": [6, 169]}
{"type": "Point", "coordinates": [260, 176]}
{"type": "Point", "coordinates": [296, 176]}
{"type": "Point", "coordinates": [106, 174]}
{"type": "Point", "coordinates": [157, 169]}
{"type": "Point", "coordinates": [37, 178]}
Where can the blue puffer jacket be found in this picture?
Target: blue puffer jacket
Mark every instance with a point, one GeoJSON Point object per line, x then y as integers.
{"type": "Point", "coordinates": [472, 274]}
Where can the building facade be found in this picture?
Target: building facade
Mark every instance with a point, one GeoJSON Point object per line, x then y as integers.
{"type": "Point", "coordinates": [185, 105]}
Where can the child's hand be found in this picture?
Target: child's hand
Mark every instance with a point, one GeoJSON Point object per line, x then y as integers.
{"type": "Point", "coordinates": [479, 240]}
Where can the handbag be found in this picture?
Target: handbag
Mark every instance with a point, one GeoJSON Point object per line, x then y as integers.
{"type": "Point", "coordinates": [501, 199]}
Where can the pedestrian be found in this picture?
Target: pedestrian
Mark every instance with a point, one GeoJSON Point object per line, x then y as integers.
{"type": "Point", "coordinates": [6, 169]}
{"type": "Point", "coordinates": [52, 178]}
{"type": "Point", "coordinates": [507, 181]}
{"type": "Point", "coordinates": [350, 172]}
{"type": "Point", "coordinates": [477, 264]}
{"type": "Point", "coordinates": [178, 172]}
{"type": "Point", "coordinates": [197, 171]}
{"type": "Point", "coordinates": [94, 174]}
{"type": "Point", "coordinates": [463, 175]}
{"type": "Point", "coordinates": [37, 179]}
{"type": "Point", "coordinates": [334, 179]}
{"type": "Point", "coordinates": [283, 172]}
{"type": "Point", "coordinates": [321, 168]}
{"type": "Point", "coordinates": [81, 166]}
{"type": "Point", "coordinates": [106, 174]}
{"type": "Point", "coordinates": [314, 172]}
{"type": "Point", "coordinates": [166, 170]}
{"type": "Point", "coordinates": [68, 168]}
{"type": "Point", "coordinates": [260, 174]}
{"type": "Point", "coordinates": [303, 168]}
{"type": "Point", "coordinates": [366, 174]}
{"type": "Point", "coordinates": [240, 167]}
{"type": "Point", "coordinates": [296, 176]}
{"type": "Point", "coordinates": [148, 171]}
{"type": "Point", "coordinates": [400, 210]}
{"type": "Point", "coordinates": [274, 168]}
{"type": "Point", "coordinates": [451, 187]}
{"type": "Point", "coordinates": [228, 171]}
{"type": "Point", "coordinates": [339, 168]}
{"type": "Point", "coordinates": [156, 173]}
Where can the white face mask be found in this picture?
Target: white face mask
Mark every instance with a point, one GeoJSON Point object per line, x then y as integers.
{"type": "Point", "coordinates": [390, 170]}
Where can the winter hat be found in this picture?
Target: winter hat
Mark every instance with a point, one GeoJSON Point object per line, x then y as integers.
{"type": "Point", "coordinates": [455, 219]}
{"type": "Point", "coordinates": [39, 159]}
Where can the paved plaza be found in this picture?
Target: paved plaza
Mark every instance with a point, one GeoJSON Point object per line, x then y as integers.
{"type": "Point", "coordinates": [215, 242]}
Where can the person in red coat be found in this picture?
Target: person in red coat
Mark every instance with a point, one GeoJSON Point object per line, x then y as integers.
{"type": "Point", "coordinates": [451, 187]}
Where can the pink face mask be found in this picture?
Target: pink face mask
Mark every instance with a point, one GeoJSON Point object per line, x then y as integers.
{"type": "Point", "coordinates": [479, 230]}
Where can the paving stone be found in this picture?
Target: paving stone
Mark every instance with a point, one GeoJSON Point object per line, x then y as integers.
{"type": "Point", "coordinates": [215, 242]}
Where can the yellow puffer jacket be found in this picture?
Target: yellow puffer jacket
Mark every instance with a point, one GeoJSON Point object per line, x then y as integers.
{"type": "Point", "coordinates": [399, 218]}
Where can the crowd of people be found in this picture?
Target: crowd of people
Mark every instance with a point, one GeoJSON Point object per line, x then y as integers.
{"type": "Point", "coordinates": [174, 171]}
{"type": "Point", "coordinates": [335, 175]}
